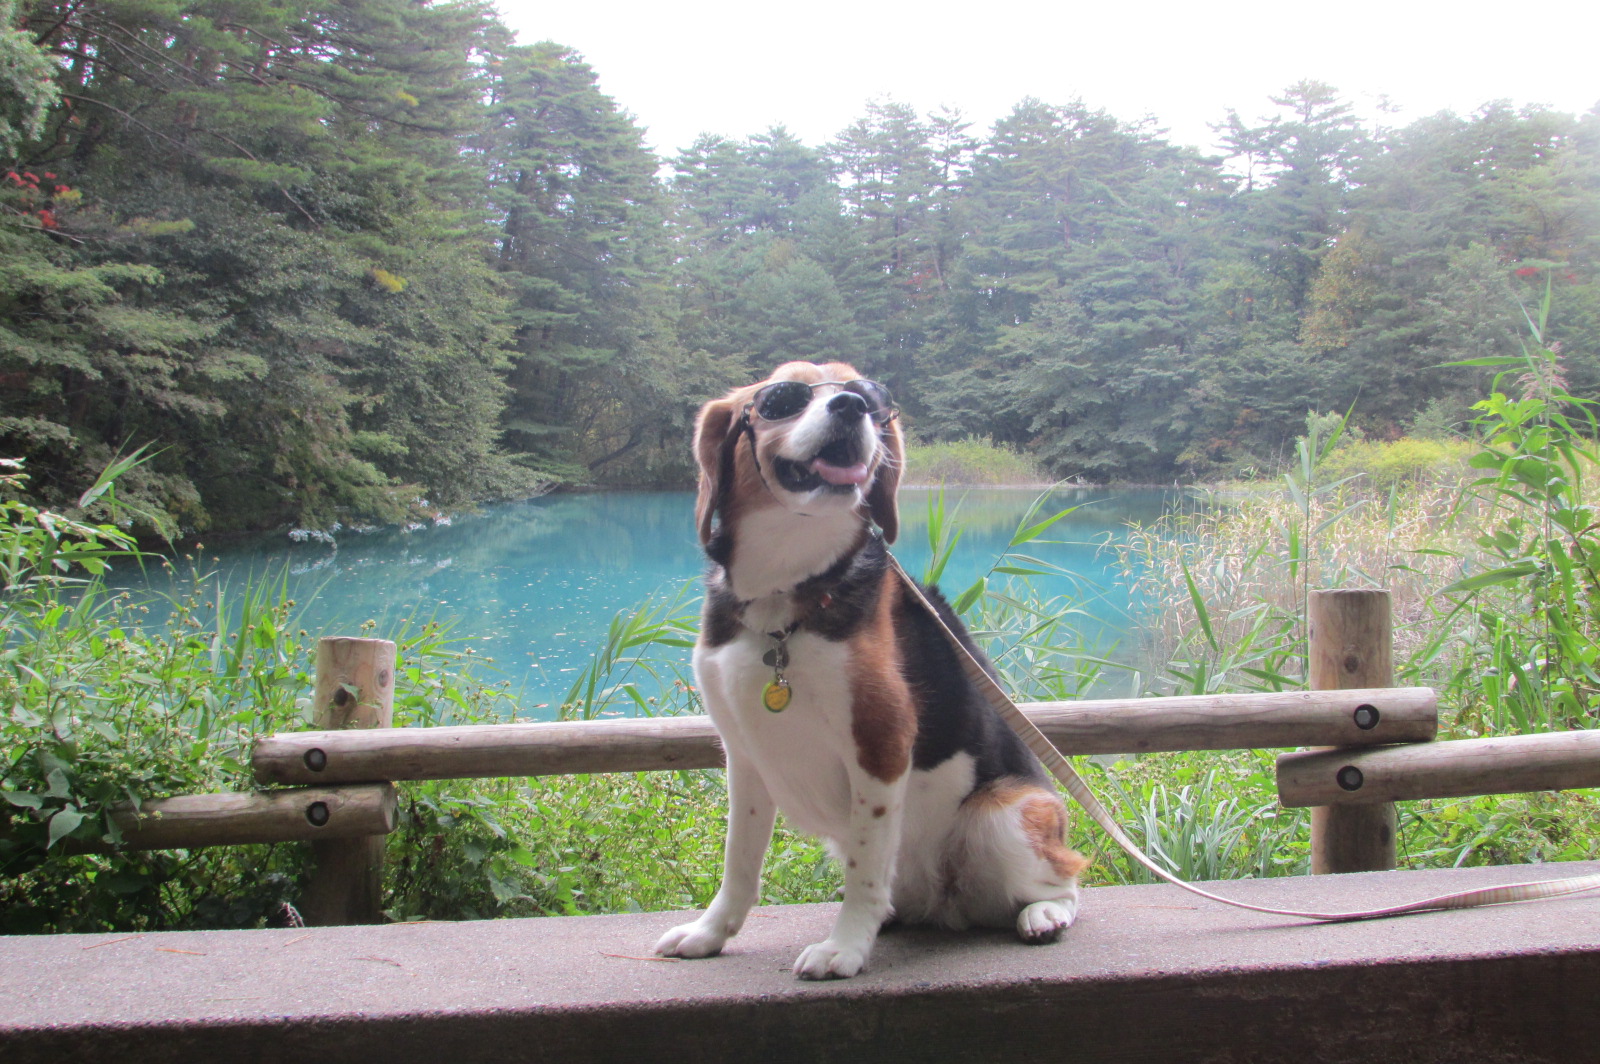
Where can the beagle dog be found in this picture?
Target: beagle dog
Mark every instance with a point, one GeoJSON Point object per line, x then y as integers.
{"type": "Point", "coordinates": [837, 697]}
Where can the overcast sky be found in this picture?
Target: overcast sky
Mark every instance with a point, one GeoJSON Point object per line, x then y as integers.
{"type": "Point", "coordinates": [737, 68]}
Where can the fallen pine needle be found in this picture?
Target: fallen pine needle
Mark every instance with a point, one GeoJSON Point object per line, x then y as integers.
{"type": "Point", "coordinates": [631, 957]}
{"type": "Point", "coordinates": [111, 941]}
{"type": "Point", "coordinates": [382, 960]}
{"type": "Point", "coordinates": [190, 952]}
{"type": "Point", "coordinates": [292, 941]}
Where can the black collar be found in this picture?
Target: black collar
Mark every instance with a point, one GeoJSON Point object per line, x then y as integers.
{"type": "Point", "coordinates": [816, 593]}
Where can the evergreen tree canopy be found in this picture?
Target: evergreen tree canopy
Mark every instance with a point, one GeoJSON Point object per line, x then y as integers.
{"type": "Point", "coordinates": [339, 262]}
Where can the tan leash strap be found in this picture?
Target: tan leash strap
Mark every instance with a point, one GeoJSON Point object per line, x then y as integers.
{"type": "Point", "coordinates": [1075, 785]}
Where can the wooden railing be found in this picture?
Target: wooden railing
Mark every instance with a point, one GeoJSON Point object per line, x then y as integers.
{"type": "Point", "coordinates": [1372, 745]}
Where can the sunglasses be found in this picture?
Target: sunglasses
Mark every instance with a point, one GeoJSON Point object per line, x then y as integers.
{"type": "Point", "coordinates": [782, 400]}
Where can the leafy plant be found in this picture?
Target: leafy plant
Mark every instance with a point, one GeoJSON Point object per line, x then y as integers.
{"type": "Point", "coordinates": [628, 657]}
{"type": "Point", "coordinates": [1536, 596]}
{"type": "Point", "coordinates": [1202, 816]}
{"type": "Point", "coordinates": [115, 701]}
{"type": "Point", "coordinates": [1036, 641]}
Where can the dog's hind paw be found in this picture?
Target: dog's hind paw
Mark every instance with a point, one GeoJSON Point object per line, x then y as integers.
{"type": "Point", "coordinates": [829, 960]}
{"type": "Point", "coordinates": [1043, 921]}
{"type": "Point", "coordinates": [692, 940]}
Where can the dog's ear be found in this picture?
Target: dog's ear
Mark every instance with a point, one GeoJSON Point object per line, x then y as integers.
{"type": "Point", "coordinates": [713, 435]}
{"type": "Point", "coordinates": [882, 498]}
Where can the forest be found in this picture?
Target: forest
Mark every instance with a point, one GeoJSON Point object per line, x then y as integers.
{"type": "Point", "coordinates": [341, 262]}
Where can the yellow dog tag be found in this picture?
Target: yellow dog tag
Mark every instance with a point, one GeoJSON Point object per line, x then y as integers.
{"type": "Point", "coordinates": [775, 696]}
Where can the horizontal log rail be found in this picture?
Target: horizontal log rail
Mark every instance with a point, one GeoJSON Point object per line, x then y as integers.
{"type": "Point", "coordinates": [304, 814]}
{"type": "Point", "coordinates": [1508, 764]}
{"type": "Point", "coordinates": [1136, 725]}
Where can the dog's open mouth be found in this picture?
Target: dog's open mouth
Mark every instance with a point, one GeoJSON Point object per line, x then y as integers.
{"type": "Point", "coordinates": [838, 466]}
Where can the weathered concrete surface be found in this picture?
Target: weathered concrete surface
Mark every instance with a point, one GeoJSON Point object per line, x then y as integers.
{"type": "Point", "coordinates": [1148, 974]}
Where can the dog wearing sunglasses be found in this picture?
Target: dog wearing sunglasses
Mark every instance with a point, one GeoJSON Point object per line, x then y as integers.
{"type": "Point", "coordinates": [837, 697]}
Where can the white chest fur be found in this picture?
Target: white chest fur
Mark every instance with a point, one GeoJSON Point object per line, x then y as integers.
{"type": "Point", "coordinates": [801, 752]}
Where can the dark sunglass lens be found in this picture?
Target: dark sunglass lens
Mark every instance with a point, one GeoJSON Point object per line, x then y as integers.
{"type": "Point", "coordinates": [876, 395]}
{"type": "Point", "coordinates": [782, 400]}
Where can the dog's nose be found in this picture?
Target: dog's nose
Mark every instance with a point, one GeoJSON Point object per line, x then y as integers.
{"type": "Point", "coordinates": [848, 406]}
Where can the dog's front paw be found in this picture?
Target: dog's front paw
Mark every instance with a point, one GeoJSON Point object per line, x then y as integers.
{"type": "Point", "coordinates": [829, 960]}
{"type": "Point", "coordinates": [1043, 921]}
{"type": "Point", "coordinates": [697, 939]}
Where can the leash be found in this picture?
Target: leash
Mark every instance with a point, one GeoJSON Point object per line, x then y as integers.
{"type": "Point", "coordinates": [1059, 767]}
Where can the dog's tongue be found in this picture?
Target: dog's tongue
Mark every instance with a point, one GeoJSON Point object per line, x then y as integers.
{"type": "Point", "coordinates": [834, 474]}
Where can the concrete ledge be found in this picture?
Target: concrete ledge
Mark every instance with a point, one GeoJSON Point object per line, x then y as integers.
{"type": "Point", "coordinates": [1148, 974]}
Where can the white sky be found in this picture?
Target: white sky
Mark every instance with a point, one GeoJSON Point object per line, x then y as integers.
{"type": "Point", "coordinates": [737, 68]}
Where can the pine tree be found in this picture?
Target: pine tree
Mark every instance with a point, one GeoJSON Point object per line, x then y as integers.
{"type": "Point", "coordinates": [272, 186]}
{"type": "Point", "coordinates": [582, 247]}
{"type": "Point", "coordinates": [26, 90]}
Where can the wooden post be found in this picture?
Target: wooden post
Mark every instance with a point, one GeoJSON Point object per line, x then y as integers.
{"type": "Point", "coordinates": [354, 689]}
{"type": "Point", "coordinates": [1350, 645]}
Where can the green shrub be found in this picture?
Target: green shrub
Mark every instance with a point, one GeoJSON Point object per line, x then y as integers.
{"type": "Point", "coordinates": [567, 845]}
{"type": "Point", "coordinates": [110, 699]}
{"type": "Point", "coordinates": [1403, 463]}
{"type": "Point", "coordinates": [974, 461]}
{"type": "Point", "coordinates": [1530, 594]}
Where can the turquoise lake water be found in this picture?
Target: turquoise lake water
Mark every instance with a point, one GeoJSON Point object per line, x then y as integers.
{"type": "Point", "coordinates": [534, 584]}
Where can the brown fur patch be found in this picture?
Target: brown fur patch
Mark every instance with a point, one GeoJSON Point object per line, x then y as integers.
{"type": "Point", "coordinates": [883, 720]}
{"type": "Point", "coordinates": [883, 497]}
{"type": "Point", "coordinates": [730, 483]}
{"type": "Point", "coordinates": [1044, 821]}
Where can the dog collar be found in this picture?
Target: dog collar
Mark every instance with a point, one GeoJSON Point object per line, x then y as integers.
{"type": "Point", "coordinates": [819, 588]}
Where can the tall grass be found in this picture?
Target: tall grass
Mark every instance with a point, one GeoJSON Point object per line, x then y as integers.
{"type": "Point", "coordinates": [1493, 564]}
{"type": "Point", "coordinates": [634, 669]}
{"type": "Point", "coordinates": [1533, 592]}
{"type": "Point", "coordinates": [1044, 646]}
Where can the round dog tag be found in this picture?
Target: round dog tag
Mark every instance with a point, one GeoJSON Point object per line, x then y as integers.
{"type": "Point", "coordinates": [776, 696]}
